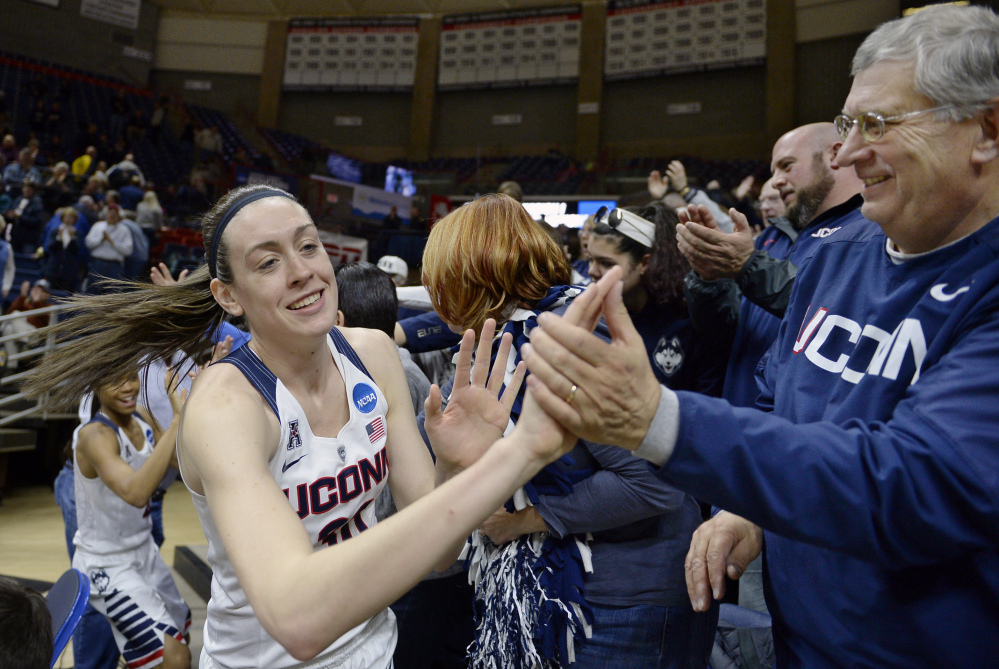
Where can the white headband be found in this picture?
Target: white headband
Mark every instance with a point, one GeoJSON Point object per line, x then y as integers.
{"type": "Point", "coordinates": [630, 225]}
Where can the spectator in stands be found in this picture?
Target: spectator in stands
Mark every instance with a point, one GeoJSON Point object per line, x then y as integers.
{"type": "Point", "coordinates": [396, 268]}
{"type": "Point", "coordinates": [109, 244]}
{"type": "Point", "coordinates": [89, 207]}
{"type": "Point", "coordinates": [15, 173]}
{"type": "Point", "coordinates": [137, 262]}
{"type": "Point", "coordinates": [677, 192]}
{"type": "Point", "coordinates": [392, 221]}
{"type": "Point", "coordinates": [512, 189]}
{"type": "Point", "coordinates": [94, 188]}
{"type": "Point", "coordinates": [31, 298]}
{"type": "Point", "coordinates": [584, 236]}
{"type": "Point", "coordinates": [58, 191]}
{"type": "Point", "coordinates": [26, 638]}
{"type": "Point", "coordinates": [821, 200]}
{"type": "Point", "coordinates": [110, 197]}
{"type": "Point", "coordinates": [26, 217]}
{"type": "Point", "coordinates": [9, 150]}
{"type": "Point", "coordinates": [149, 213]}
{"type": "Point", "coordinates": [121, 173]}
{"type": "Point", "coordinates": [209, 142]}
{"type": "Point", "coordinates": [63, 261]}
{"type": "Point", "coordinates": [37, 156]}
{"type": "Point", "coordinates": [6, 261]}
{"type": "Point", "coordinates": [131, 194]}
{"type": "Point", "coordinates": [100, 173]}
{"type": "Point", "coordinates": [573, 250]}
{"type": "Point", "coordinates": [86, 164]}
{"type": "Point", "coordinates": [771, 204]}
{"type": "Point", "coordinates": [642, 241]}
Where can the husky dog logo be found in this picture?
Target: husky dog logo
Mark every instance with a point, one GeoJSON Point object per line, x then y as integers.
{"type": "Point", "coordinates": [669, 355]}
{"type": "Point", "coordinates": [342, 452]}
{"type": "Point", "coordinates": [100, 579]}
{"type": "Point", "coordinates": [294, 438]}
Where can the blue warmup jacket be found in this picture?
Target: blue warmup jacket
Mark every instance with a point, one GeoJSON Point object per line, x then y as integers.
{"type": "Point", "coordinates": [877, 474]}
{"type": "Point", "coordinates": [758, 328]}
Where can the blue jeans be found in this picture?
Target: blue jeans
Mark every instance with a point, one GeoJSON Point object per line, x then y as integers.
{"type": "Point", "coordinates": [647, 637]}
{"type": "Point", "coordinates": [94, 646]}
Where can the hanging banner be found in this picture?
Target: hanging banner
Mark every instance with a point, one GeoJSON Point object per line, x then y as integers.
{"type": "Point", "coordinates": [364, 54]}
{"type": "Point", "coordinates": [122, 13]}
{"type": "Point", "coordinates": [517, 48]}
{"type": "Point", "coordinates": [649, 38]}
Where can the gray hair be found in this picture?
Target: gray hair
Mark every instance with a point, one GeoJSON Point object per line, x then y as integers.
{"type": "Point", "coordinates": [955, 50]}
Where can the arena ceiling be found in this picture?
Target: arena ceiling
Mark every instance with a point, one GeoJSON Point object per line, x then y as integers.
{"type": "Point", "coordinates": [285, 9]}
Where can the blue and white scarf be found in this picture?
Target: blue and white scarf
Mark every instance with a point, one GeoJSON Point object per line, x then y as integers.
{"type": "Point", "coordinates": [529, 604]}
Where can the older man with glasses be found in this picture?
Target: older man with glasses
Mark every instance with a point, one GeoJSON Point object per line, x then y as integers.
{"type": "Point", "coordinates": [874, 478]}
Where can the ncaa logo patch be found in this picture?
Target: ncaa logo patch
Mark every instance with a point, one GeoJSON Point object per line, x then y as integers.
{"type": "Point", "coordinates": [669, 355]}
{"type": "Point", "coordinates": [365, 398]}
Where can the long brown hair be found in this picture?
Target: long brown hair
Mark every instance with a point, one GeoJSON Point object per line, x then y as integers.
{"type": "Point", "coordinates": [112, 336]}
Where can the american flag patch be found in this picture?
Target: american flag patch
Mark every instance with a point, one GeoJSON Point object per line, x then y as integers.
{"type": "Point", "coordinates": [375, 429]}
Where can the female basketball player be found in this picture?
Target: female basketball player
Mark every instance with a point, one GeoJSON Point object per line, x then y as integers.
{"type": "Point", "coordinates": [116, 470]}
{"type": "Point", "coordinates": [285, 448]}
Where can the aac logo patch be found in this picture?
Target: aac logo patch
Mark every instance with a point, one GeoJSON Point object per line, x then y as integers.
{"type": "Point", "coordinates": [365, 398]}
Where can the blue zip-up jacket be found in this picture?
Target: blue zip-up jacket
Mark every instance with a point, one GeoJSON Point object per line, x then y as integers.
{"type": "Point", "coordinates": [877, 474]}
{"type": "Point", "coordinates": [757, 327]}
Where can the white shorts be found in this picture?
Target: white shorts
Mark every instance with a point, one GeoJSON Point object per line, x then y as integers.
{"type": "Point", "coordinates": [137, 594]}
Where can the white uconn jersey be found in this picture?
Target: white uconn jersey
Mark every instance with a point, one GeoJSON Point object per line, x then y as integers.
{"type": "Point", "coordinates": [109, 525]}
{"type": "Point", "coordinates": [330, 482]}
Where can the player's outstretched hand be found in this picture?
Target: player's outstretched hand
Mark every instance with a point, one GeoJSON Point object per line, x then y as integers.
{"type": "Point", "coordinates": [478, 409]}
{"type": "Point", "coordinates": [723, 546]}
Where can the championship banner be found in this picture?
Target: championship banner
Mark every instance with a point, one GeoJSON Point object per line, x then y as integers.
{"type": "Point", "coordinates": [648, 38]}
{"type": "Point", "coordinates": [364, 54]}
{"type": "Point", "coordinates": [122, 13]}
{"type": "Point", "coordinates": [505, 49]}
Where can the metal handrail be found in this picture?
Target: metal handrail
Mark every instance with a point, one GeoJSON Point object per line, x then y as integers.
{"type": "Point", "coordinates": [49, 344]}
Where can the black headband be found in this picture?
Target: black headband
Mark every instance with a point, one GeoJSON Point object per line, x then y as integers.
{"type": "Point", "coordinates": [213, 249]}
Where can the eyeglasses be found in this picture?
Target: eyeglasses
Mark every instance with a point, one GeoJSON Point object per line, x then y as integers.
{"type": "Point", "coordinates": [872, 124]}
